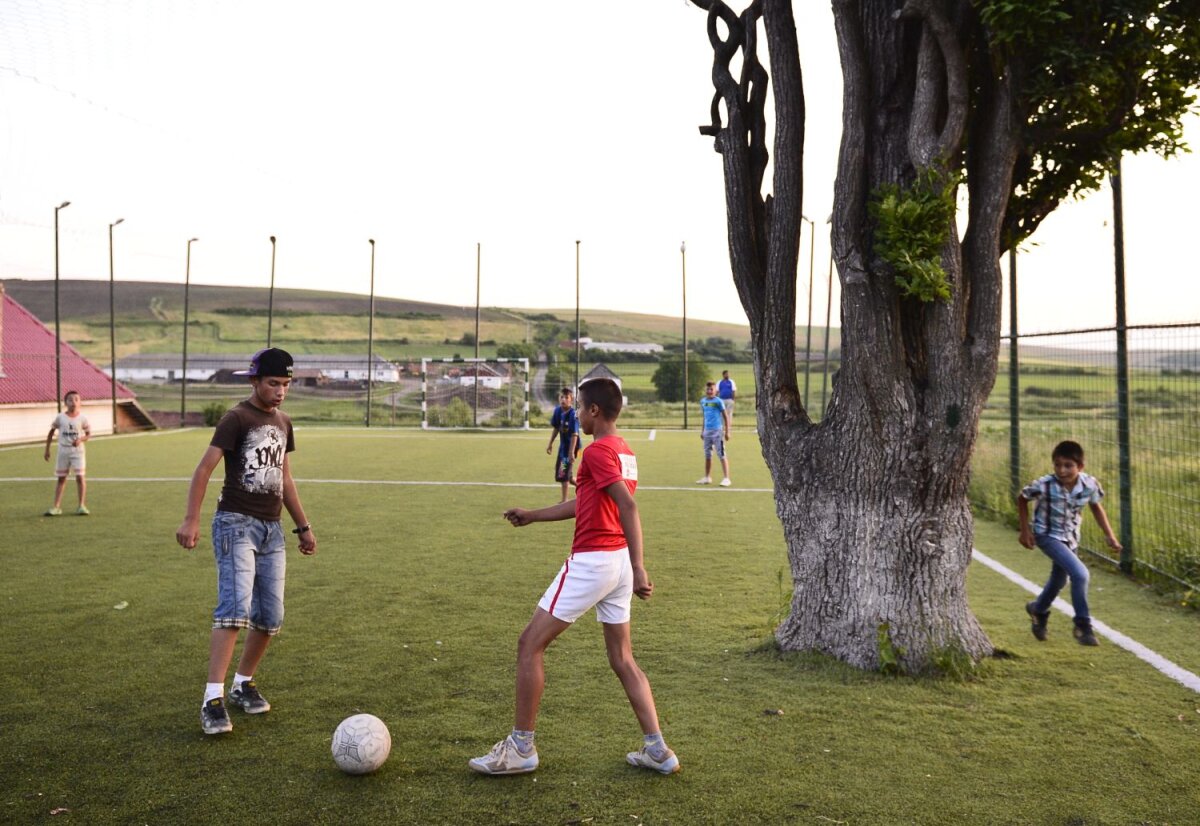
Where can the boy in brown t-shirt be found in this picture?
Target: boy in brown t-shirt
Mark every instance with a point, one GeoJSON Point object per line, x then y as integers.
{"type": "Point", "coordinates": [254, 438]}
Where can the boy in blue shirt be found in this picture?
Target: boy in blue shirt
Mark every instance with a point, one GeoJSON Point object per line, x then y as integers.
{"type": "Point", "coordinates": [715, 434]}
{"type": "Point", "coordinates": [564, 422]}
{"type": "Point", "coordinates": [727, 391]}
{"type": "Point", "coordinates": [1060, 497]}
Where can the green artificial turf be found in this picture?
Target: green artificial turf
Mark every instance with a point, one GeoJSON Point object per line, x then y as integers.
{"type": "Point", "coordinates": [411, 610]}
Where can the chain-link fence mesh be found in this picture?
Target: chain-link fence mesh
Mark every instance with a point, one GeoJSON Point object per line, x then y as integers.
{"type": "Point", "coordinates": [1067, 388]}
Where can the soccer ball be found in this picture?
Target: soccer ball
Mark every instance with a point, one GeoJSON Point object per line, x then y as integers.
{"type": "Point", "coordinates": [361, 743]}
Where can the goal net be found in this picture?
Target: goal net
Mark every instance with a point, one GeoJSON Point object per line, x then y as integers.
{"type": "Point", "coordinates": [459, 393]}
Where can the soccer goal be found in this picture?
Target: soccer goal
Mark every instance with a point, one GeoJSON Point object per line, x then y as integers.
{"type": "Point", "coordinates": [458, 393]}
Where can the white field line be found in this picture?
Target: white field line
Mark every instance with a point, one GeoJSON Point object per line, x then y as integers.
{"type": "Point", "coordinates": [1175, 672]}
{"type": "Point", "coordinates": [712, 490]}
{"type": "Point", "coordinates": [104, 438]}
{"type": "Point", "coordinates": [1157, 661]}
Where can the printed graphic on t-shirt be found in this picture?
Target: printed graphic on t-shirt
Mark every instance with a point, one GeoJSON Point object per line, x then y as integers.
{"type": "Point", "coordinates": [70, 428]}
{"type": "Point", "coordinates": [628, 466]}
{"type": "Point", "coordinates": [262, 460]}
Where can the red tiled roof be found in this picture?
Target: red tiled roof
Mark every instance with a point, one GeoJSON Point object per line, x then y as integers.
{"type": "Point", "coordinates": [27, 362]}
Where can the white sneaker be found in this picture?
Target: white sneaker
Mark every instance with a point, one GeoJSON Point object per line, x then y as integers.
{"type": "Point", "coordinates": [505, 758]}
{"type": "Point", "coordinates": [707, 480]}
{"type": "Point", "coordinates": [725, 482]}
{"type": "Point", "coordinates": [641, 758]}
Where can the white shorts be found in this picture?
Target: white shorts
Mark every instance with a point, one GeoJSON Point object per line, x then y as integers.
{"type": "Point", "coordinates": [600, 578]}
{"type": "Point", "coordinates": [70, 458]}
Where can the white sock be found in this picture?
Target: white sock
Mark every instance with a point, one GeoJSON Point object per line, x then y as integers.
{"type": "Point", "coordinates": [212, 690]}
{"type": "Point", "coordinates": [238, 679]}
{"type": "Point", "coordinates": [655, 745]}
{"type": "Point", "coordinates": [523, 739]}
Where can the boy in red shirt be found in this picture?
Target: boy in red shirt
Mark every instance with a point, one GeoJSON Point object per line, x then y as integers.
{"type": "Point", "coordinates": [605, 569]}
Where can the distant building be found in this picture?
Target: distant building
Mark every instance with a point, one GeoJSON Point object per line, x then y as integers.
{"type": "Point", "coordinates": [28, 389]}
{"type": "Point", "coordinates": [621, 346]}
{"type": "Point", "coordinates": [310, 369]}
{"type": "Point", "coordinates": [489, 376]}
{"type": "Point", "coordinates": [600, 371]}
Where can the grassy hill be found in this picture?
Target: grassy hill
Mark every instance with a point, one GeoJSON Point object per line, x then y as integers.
{"type": "Point", "coordinates": [234, 320]}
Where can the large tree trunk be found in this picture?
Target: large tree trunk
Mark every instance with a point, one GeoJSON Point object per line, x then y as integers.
{"type": "Point", "coordinates": [873, 499]}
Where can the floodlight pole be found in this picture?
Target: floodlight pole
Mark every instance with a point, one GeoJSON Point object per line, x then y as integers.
{"type": "Point", "coordinates": [576, 322]}
{"type": "Point", "coordinates": [825, 360]}
{"type": "Point", "coordinates": [478, 259]}
{"type": "Point", "coordinates": [271, 294]}
{"type": "Point", "coordinates": [812, 246]}
{"type": "Point", "coordinates": [57, 328]}
{"type": "Point", "coordinates": [1014, 381]}
{"type": "Point", "coordinates": [371, 333]}
{"type": "Point", "coordinates": [112, 323]}
{"type": "Point", "coordinates": [187, 284]}
{"type": "Point", "coordinates": [686, 401]}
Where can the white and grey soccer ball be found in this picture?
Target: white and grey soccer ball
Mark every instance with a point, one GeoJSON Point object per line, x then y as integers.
{"type": "Point", "coordinates": [361, 744]}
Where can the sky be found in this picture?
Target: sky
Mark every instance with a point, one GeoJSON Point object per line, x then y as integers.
{"type": "Point", "coordinates": [434, 127]}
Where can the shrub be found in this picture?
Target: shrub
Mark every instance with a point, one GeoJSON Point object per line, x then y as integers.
{"type": "Point", "coordinates": [213, 411]}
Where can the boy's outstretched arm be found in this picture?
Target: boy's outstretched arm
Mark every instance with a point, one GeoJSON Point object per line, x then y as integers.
{"type": "Point", "coordinates": [1102, 520]}
{"type": "Point", "coordinates": [631, 524]}
{"type": "Point", "coordinates": [519, 517]}
{"type": "Point", "coordinates": [1025, 535]}
{"type": "Point", "coordinates": [188, 533]}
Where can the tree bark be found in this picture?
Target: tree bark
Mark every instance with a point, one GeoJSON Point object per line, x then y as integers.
{"type": "Point", "coordinates": [873, 498]}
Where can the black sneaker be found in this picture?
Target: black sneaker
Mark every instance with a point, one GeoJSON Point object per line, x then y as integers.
{"type": "Point", "coordinates": [1084, 635]}
{"type": "Point", "coordinates": [1039, 621]}
{"type": "Point", "coordinates": [214, 719]}
{"type": "Point", "coordinates": [246, 696]}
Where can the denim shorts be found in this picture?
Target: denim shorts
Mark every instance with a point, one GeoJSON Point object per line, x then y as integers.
{"type": "Point", "coordinates": [713, 439]}
{"type": "Point", "coordinates": [251, 559]}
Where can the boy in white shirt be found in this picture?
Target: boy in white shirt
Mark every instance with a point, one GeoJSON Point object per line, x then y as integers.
{"type": "Point", "coordinates": [73, 430]}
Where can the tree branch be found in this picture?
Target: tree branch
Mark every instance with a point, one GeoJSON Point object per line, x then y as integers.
{"type": "Point", "coordinates": [741, 143]}
{"type": "Point", "coordinates": [941, 66]}
{"type": "Point", "coordinates": [777, 340]}
{"type": "Point", "coordinates": [850, 186]}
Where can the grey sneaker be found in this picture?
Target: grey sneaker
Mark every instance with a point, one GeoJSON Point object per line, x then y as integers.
{"type": "Point", "coordinates": [246, 696]}
{"type": "Point", "coordinates": [214, 719]}
{"type": "Point", "coordinates": [505, 758]}
{"type": "Point", "coordinates": [1084, 634]}
{"type": "Point", "coordinates": [1038, 626]}
{"type": "Point", "coordinates": [52, 511]}
{"type": "Point", "coordinates": [669, 764]}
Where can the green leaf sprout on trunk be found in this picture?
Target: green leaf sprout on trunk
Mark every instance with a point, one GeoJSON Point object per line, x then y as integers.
{"type": "Point", "coordinates": [912, 226]}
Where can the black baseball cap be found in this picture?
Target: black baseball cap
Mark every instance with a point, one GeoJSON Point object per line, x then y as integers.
{"type": "Point", "coordinates": [269, 362]}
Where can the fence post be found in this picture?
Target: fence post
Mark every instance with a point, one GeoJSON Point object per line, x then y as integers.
{"type": "Point", "coordinates": [424, 394]}
{"type": "Point", "coordinates": [1014, 382]}
{"type": "Point", "coordinates": [1124, 471]}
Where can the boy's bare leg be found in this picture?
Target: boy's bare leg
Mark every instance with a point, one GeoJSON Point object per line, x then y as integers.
{"type": "Point", "coordinates": [725, 465]}
{"type": "Point", "coordinates": [564, 492]}
{"type": "Point", "coordinates": [637, 687]}
{"type": "Point", "coordinates": [60, 485]}
{"type": "Point", "coordinates": [253, 651]}
{"type": "Point", "coordinates": [220, 653]}
{"type": "Point", "coordinates": [81, 484]}
{"type": "Point", "coordinates": [707, 466]}
{"type": "Point", "coordinates": [531, 676]}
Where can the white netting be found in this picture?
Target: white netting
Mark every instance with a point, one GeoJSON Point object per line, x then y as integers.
{"type": "Point", "coordinates": [459, 393]}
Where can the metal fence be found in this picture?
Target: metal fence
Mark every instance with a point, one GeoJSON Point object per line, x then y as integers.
{"type": "Point", "coordinates": [1139, 424]}
{"type": "Point", "coordinates": [1136, 416]}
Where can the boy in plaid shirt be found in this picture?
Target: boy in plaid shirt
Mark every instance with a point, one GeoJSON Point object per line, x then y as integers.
{"type": "Point", "coordinates": [1059, 498]}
